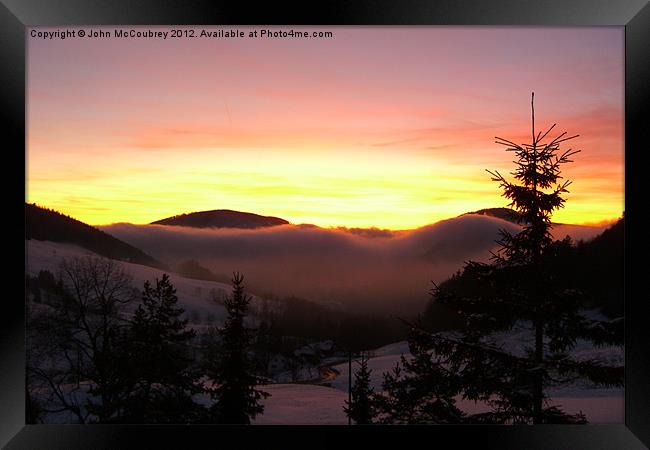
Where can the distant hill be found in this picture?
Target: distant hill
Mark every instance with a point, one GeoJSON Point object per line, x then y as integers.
{"type": "Point", "coordinates": [48, 225]}
{"type": "Point", "coordinates": [221, 218]}
{"type": "Point", "coordinates": [500, 213]}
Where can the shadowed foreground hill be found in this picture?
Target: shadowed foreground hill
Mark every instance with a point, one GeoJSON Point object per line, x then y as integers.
{"type": "Point", "coordinates": [47, 225]}
{"type": "Point", "coordinates": [221, 218]}
{"type": "Point", "coordinates": [595, 267]}
{"type": "Point", "coordinates": [598, 265]}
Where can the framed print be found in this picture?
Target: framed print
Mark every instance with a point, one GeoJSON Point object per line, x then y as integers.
{"type": "Point", "coordinates": [398, 222]}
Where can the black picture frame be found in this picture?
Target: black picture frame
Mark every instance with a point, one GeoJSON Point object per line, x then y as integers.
{"type": "Point", "coordinates": [15, 15]}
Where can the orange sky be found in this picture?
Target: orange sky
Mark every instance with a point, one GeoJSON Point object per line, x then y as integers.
{"type": "Point", "coordinates": [387, 127]}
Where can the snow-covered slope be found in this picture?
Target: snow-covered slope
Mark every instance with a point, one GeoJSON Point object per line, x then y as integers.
{"type": "Point", "coordinates": [195, 296]}
{"type": "Point", "coordinates": [303, 404]}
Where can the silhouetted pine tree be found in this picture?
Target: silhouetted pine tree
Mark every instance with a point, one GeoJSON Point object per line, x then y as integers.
{"type": "Point", "coordinates": [230, 367]}
{"type": "Point", "coordinates": [420, 389]}
{"type": "Point", "coordinates": [362, 407]}
{"type": "Point", "coordinates": [523, 288]}
{"type": "Point", "coordinates": [160, 361]}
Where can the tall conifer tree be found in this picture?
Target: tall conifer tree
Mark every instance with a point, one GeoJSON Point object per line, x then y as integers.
{"type": "Point", "coordinates": [230, 364]}
{"type": "Point", "coordinates": [421, 389]}
{"type": "Point", "coordinates": [524, 289]}
{"type": "Point", "coordinates": [160, 360]}
{"type": "Point", "coordinates": [362, 407]}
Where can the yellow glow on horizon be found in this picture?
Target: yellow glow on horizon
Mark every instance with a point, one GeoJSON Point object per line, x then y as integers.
{"type": "Point", "coordinates": [344, 188]}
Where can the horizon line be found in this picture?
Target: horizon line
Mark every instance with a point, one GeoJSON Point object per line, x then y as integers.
{"type": "Point", "coordinates": [604, 222]}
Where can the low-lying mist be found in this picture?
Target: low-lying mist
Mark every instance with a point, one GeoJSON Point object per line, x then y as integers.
{"type": "Point", "coordinates": [370, 271]}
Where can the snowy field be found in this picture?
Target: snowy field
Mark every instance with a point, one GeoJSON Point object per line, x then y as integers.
{"type": "Point", "coordinates": [600, 405]}
{"type": "Point", "coordinates": [305, 404]}
{"type": "Point", "coordinates": [195, 296]}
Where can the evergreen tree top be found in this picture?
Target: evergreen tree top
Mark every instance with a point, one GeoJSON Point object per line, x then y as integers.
{"type": "Point", "coordinates": [536, 192]}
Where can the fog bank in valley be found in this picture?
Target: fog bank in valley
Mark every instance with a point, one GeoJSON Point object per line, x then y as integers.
{"type": "Point", "coordinates": [372, 271]}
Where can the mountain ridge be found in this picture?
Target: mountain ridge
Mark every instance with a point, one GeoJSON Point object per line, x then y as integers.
{"type": "Point", "coordinates": [221, 218]}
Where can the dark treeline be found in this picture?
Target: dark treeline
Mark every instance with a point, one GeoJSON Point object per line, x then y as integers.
{"type": "Point", "coordinates": [191, 268]}
{"type": "Point", "coordinates": [307, 320]}
{"type": "Point", "coordinates": [601, 259]}
{"type": "Point", "coordinates": [581, 263]}
{"type": "Point", "coordinates": [302, 318]}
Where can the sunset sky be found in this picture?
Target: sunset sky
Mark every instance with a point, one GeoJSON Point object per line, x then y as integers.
{"type": "Point", "coordinates": [386, 127]}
